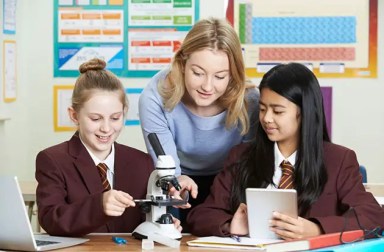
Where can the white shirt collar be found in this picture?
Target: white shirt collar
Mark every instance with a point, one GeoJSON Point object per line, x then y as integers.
{"type": "Point", "coordinates": [280, 158]}
{"type": "Point", "coordinates": [109, 161]}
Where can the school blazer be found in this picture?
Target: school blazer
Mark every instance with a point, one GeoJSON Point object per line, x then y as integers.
{"type": "Point", "coordinates": [69, 191]}
{"type": "Point", "coordinates": [344, 189]}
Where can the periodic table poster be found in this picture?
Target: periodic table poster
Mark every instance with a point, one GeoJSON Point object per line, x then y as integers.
{"type": "Point", "coordinates": [333, 38]}
{"type": "Point", "coordinates": [136, 38]}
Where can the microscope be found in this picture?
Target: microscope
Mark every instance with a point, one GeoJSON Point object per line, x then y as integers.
{"type": "Point", "coordinates": [158, 222]}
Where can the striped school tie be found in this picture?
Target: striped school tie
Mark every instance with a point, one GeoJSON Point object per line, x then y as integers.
{"type": "Point", "coordinates": [103, 176]}
{"type": "Point", "coordinates": [286, 181]}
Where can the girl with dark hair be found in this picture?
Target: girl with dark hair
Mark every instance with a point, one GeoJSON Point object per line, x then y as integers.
{"type": "Point", "coordinates": [326, 176]}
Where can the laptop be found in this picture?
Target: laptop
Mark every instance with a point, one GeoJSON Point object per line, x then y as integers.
{"type": "Point", "coordinates": [261, 202]}
{"type": "Point", "coordinates": [15, 228]}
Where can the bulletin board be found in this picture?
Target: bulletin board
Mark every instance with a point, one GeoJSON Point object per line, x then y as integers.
{"type": "Point", "coordinates": [333, 38]}
{"type": "Point", "coordinates": [136, 38]}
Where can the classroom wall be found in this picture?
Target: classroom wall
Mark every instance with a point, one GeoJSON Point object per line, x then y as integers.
{"type": "Point", "coordinates": [358, 117]}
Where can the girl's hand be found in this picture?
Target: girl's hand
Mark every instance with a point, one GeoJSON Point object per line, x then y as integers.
{"type": "Point", "coordinates": [289, 228]}
{"type": "Point", "coordinates": [177, 224]}
{"type": "Point", "coordinates": [115, 202]}
{"type": "Point", "coordinates": [239, 223]}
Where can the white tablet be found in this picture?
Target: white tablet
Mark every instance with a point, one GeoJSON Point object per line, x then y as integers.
{"type": "Point", "coordinates": [262, 202]}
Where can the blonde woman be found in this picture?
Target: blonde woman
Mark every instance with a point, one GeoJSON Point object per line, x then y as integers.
{"type": "Point", "coordinates": [200, 107]}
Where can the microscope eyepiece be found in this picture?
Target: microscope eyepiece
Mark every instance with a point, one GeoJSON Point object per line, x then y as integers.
{"type": "Point", "coordinates": [155, 143]}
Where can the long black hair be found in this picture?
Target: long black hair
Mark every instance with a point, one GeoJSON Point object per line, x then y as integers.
{"type": "Point", "coordinates": [256, 166]}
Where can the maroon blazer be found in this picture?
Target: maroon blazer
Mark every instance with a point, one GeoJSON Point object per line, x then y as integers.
{"type": "Point", "coordinates": [344, 189]}
{"type": "Point", "coordinates": [69, 191]}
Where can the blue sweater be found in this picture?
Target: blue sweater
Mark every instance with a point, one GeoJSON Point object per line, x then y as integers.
{"type": "Point", "coordinates": [199, 145]}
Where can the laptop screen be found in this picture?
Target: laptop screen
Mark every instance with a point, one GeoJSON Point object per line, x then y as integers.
{"type": "Point", "coordinates": [16, 230]}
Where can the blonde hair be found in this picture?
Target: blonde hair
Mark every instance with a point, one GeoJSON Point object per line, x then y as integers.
{"type": "Point", "coordinates": [93, 76]}
{"type": "Point", "coordinates": [214, 34]}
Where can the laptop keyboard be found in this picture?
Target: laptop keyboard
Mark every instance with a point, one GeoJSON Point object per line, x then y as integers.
{"type": "Point", "coordinates": [44, 243]}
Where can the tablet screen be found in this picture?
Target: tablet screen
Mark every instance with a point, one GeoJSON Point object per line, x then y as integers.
{"type": "Point", "coordinates": [262, 202]}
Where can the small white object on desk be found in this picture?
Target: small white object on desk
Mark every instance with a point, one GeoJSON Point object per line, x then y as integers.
{"type": "Point", "coordinates": [147, 244]}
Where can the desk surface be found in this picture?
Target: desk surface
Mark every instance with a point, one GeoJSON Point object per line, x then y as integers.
{"type": "Point", "coordinates": [103, 242]}
{"type": "Point", "coordinates": [377, 189]}
{"type": "Point", "coordinates": [28, 188]}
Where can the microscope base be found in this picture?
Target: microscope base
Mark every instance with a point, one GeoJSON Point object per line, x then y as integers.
{"type": "Point", "coordinates": [147, 229]}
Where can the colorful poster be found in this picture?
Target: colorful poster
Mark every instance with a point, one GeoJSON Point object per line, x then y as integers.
{"type": "Point", "coordinates": [9, 16]}
{"type": "Point", "coordinates": [137, 38]}
{"type": "Point", "coordinates": [335, 40]}
{"type": "Point", "coordinates": [9, 71]}
{"type": "Point", "coordinates": [78, 25]}
{"type": "Point", "coordinates": [161, 13]}
{"type": "Point", "coordinates": [133, 95]}
{"type": "Point", "coordinates": [62, 95]}
{"type": "Point", "coordinates": [70, 58]}
{"type": "Point", "coordinates": [152, 49]}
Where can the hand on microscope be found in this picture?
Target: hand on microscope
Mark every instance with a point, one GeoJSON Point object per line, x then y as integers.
{"type": "Point", "coordinates": [177, 224]}
{"type": "Point", "coordinates": [115, 202]}
{"type": "Point", "coordinates": [187, 185]}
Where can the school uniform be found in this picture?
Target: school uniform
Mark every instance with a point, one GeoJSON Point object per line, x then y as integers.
{"type": "Point", "coordinates": [69, 191]}
{"type": "Point", "coordinates": [342, 191]}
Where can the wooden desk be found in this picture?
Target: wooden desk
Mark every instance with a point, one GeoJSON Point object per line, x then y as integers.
{"type": "Point", "coordinates": [103, 242]}
{"type": "Point", "coordinates": [377, 189]}
{"type": "Point", "coordinates": [28, 189]}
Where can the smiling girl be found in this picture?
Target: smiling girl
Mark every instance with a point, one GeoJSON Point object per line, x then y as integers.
{"type": "Point", "coordinates": [74, 198]}
{"type": "Point", "coordinates": [326, 176]}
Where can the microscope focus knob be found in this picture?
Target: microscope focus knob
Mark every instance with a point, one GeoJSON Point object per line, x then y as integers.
{"type": "Point", "coordinates": [166, 219]}
{"type": "Point", "coordinates": [145, 207]}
